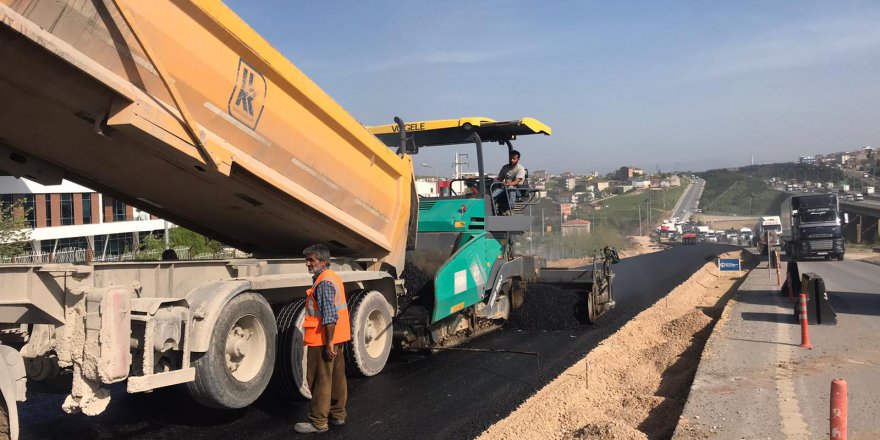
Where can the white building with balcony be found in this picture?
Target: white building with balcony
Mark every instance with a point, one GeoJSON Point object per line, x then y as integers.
{"type": "Point", "coordinates": [70, 217]}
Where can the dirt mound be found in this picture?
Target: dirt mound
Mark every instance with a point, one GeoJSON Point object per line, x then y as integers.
{"type": "Point", "coordinates": [608, 431]}
{"type": "Point", "coordinates": [639, 245]}
{"type": "Point", "coordinates": [634, 385]}
{"type": "Point", "coordinates": [635, 245]}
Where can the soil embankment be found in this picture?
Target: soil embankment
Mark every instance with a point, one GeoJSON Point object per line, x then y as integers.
{"type": "Point", "coordinates": [635, 383]}
{"type": "Point", "coordinates": [635, 245]}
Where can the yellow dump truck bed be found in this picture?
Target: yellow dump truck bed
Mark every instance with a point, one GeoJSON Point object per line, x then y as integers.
{"type": "Point", "coordinates": [270, 162]}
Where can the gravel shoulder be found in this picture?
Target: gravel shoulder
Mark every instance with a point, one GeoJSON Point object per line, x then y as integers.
{"type": "Point", "coordinates": [635, 383]}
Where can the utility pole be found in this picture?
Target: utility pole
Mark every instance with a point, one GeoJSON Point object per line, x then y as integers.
{"type": "Point", "coordinates": [543, 228]}
{"type": "Point", "coordinates": [531, 236]}
{"type": "Point", "coordinates": [640, 219]}
{"type": "Point", "coordinates": [458, 163]}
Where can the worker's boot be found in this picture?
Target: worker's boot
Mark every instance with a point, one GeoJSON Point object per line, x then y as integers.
{"type": "Point", "coordinates": [308, 428]}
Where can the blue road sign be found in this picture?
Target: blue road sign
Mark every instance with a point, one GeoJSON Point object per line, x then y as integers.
{"type": "Point", "coordinates": [729, 264]}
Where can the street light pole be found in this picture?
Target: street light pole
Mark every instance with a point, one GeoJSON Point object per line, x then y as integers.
{"type": "Point", "coordinates": [432, 170]}
{"type": "Point", "coordinates": [436, 180]}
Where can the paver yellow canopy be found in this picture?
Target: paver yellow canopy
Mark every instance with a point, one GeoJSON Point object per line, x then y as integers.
{"type": "Point", "coordinates": [182, 109]}
{"type": "Point", "coordinates": [459, 131]}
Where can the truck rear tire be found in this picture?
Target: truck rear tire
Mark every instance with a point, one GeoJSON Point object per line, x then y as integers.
{"type": "Point", "coordinates": [238, 364]}
{"type": "Point", "coordinates": [371, 333]}
{"type": "Point", "coordinates": [289, 378]}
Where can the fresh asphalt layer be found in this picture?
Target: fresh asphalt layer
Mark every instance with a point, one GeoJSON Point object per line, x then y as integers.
{"type": "Point", "coordinates": [449, 394]}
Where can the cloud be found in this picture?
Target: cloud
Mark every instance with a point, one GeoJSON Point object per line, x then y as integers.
{"type": "Point", "coordinates": [439, 57]}
{"type": "Point", "coordinates": [798, 46]}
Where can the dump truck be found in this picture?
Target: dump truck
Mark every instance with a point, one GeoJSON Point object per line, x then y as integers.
{"type": "Point", "coordinates": [182, 110]}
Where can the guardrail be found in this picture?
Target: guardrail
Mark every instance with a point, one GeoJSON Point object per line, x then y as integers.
{"type": "Point", "coordinates": [77, 255]}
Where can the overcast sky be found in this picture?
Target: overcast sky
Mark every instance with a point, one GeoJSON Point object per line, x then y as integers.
{"type": "Point", "coordinates": [687, 85]}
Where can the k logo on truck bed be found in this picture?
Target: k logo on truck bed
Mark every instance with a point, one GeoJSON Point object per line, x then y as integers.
{"type": "Point", "coordinates": [248, 95]}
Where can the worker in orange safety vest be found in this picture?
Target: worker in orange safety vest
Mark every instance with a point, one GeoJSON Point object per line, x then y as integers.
{"type": "Point", "coordinates": [326, 328]}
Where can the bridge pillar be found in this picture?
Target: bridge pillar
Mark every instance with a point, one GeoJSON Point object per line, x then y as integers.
{"type": "Point", "coordinates": [869, 231]}
{"type": "Point", "coordinates": [852, 231]}
{"type": "Point", "coordinates": [862, 229]}
{"type": "Point", "coordinates": [863, 224]}
{"type": "Point", "coordinates": [859, 230]}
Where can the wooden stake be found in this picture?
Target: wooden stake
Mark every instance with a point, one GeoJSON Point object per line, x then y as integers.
{"type": "Point", "coordinates": [587, 365]}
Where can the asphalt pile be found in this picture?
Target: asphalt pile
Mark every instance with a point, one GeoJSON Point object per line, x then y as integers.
{"type": "Point", "coordinates": [414, 278]}
{"type": "Point", "coordinates": [550, 308]}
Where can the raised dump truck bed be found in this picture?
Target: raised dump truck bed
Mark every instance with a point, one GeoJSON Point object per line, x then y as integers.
{"type": "Point", "coordinates": [181, 109]}
{"type": "Point", "coordinates": [222, 134]}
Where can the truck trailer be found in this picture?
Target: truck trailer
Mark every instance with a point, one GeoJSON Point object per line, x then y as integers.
{"type": "Point", "coordinates": [812, 227]}
{"type": "Point", "coordinates": [767, 231]}
{"type": "Point", "coordinates": [180, 109]}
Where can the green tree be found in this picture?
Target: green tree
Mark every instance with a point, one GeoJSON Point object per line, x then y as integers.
{"type": "Point", "coordinates": [180, 237]}
{"type": "Point", "coordinates": [15, 235]}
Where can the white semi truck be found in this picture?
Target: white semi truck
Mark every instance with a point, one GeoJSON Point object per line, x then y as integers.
{"type": "Point", "coordinates": [767, 231]}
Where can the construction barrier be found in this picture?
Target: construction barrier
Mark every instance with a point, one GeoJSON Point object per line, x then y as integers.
{"type": "Point", "coordinates": [792, 282]}
{"type": "Point", "coordinates": [805, 328]}
{"type": "Point", "coordinates": [819, 310]}
{"type": "Point", "coordinates": [838, 415]}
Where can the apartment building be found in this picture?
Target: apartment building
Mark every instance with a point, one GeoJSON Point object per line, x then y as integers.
{"type": "Point", "coordinates": [70, 216]}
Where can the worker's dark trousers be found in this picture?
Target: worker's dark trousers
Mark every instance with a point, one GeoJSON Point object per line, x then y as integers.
{"type": "Point", "coordinates": [327, 384]}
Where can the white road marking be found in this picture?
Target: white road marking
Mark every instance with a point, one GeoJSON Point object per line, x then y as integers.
{"type": "Point", "coordinates": [793, 424]}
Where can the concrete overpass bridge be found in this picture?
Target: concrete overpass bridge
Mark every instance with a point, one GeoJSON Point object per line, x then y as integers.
{"type": "Point", "coordinates": [863, 220]}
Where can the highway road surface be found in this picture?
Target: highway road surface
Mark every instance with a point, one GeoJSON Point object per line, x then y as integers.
{"type": "Point", "coordinates": [853, 287]}
{"type": "Point", "coordinates": [848, 350]}
{"type": "Point", "coordinates": [689, 201]}
{"type": "Point", "coordinates": [446, 395]}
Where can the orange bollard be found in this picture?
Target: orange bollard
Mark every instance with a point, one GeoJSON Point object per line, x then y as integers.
{"type": "Point", "coordinates": [805, 332]}
{"type": "Point", "coordinates": [838, 409]}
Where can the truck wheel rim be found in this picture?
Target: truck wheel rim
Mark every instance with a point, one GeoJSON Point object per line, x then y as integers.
{"type": "Point", "coordinates": [245, 348]}
{"type": "Point", "coordinates": [375, 333]}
